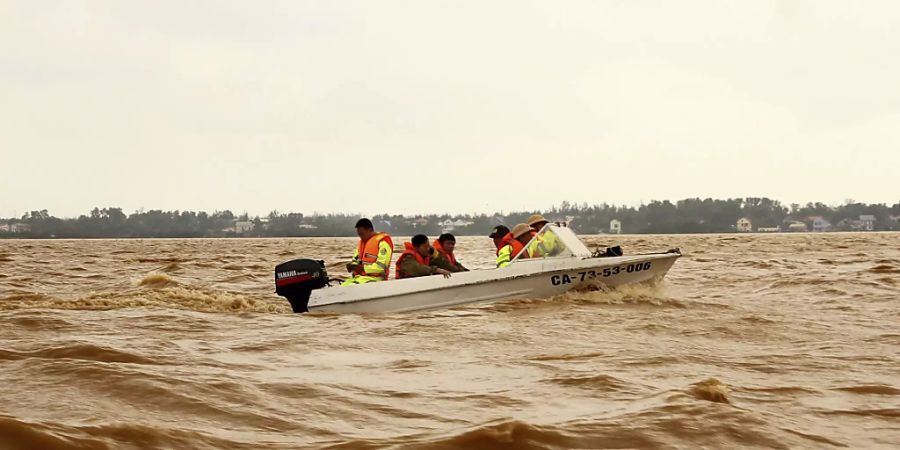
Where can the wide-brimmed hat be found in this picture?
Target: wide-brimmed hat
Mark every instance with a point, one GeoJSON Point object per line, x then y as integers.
{"type": "Point", "coordinates": [520, 229]}
{"type": "Point", "coordinates": [536, 219]}
{"type": "Point", "coordinates": [499, 231]}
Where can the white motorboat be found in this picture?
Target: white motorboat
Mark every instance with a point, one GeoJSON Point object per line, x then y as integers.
{"type": "Point", "coordinates": [301, 281]}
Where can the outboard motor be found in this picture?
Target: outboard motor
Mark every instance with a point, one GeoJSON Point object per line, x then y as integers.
{"type": "Point", "coordinates": [295, 280]}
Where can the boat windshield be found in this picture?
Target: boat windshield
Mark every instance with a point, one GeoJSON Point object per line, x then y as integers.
{"type": "Point", "coordinates": [554, 241]}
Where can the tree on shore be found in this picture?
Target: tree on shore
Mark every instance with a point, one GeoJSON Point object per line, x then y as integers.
{"type": "Point", "coordinates": [692, 215]}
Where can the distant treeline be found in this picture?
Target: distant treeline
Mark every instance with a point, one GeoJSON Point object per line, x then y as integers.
{"type": "Point", "coordinates": [684, 216]}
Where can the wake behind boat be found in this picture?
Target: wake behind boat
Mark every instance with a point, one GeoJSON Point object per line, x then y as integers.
{"type": "Point", "coordinates": [304, 282]}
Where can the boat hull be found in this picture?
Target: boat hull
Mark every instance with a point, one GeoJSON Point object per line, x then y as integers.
{"type": "Point", "coordinates": [525, 279]}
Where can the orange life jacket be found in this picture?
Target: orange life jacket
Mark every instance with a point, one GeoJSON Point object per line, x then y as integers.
{"type": "Point", "coordinates": [368, 254]}
{"type": "Point", "coordinates": [410, 250]}
{"type": "Point", "coordinates": [516, 246]}
{"type": "Point", "coordinates": [450, 257]}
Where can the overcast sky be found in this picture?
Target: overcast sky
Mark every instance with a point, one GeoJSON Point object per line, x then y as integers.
{"type": "Point", "coordinates": [427, 106]}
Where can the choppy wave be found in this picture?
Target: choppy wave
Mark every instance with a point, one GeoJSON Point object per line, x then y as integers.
{"type": "Point", "coordinates": [159, 280]}
{"type": "Point", "coordinates": [171, 268]}
{"type": "Point", "coordinates": [157, 291]}
{"type": "Point", "coordinates": [885, 268]}
{"type": "Point", "coordinates": [21, 435]}
{"type": "Point", "coordinates": [873, 389]}
{"type": "Point", "coordinates": [711, 390]}
{"type": "Point", "coordinates": [79, 351]}
{"type": "Point", "coordinates": [751, 342]}
{"type": "Point", "coordinates": [643, 294]}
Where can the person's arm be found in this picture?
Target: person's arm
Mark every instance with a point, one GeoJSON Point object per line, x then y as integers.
{"type": "Point", "coordinates": [504, 256]}
{"type": "Point", "coordinates": [535, 249]}
{"type": "Point", "coordinates": [353, 266]}
{"type": "Point", "coordinates": [438, 260]}
{"type": "Point", "coordinates": [413, 268]}
{"type": "Point", "coordinates": [440, 265]}
{"type": "Point", "coordinates": [552, 244]}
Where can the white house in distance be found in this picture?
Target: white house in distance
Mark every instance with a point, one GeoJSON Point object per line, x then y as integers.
{"type": "Point", "coordinates": [450, 225]}
{"type": "Point", "coordinates": [820, 225]}
{"type": "Point", "coordinates": [744, 225]}
{"type": "Point", "coordinates": [243, 226]}
{"type": "Point", "coordinates": [797, 227]}
{"type": "Point", "coordinates": [418, 222]}
{"type": "Point", "coordinates": [15, 227]}
{"type": "Point", "coordinates": [867, 222]}
{"type": "Point", "coordinates": [615, 226]}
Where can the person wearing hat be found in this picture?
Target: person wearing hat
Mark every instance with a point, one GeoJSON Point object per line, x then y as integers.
{"type": "Point", "coordinates": [420, 260]}
{"type": "Point", "coordinates": [546, 244]}
{"type": "Point", "coordinates": [511, 243]}
{"type": "Point", "coordinates": [501, 236]}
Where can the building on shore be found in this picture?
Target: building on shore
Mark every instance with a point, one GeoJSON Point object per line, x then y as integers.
{"type": "Point", "coordinates": [615, 226]}
{"type": "Point", "coordinates": [418, 222]}
{"type": "Point", "coordinates": [866, 222]}
{"type": "Point", "coordinates": [797, 227]}
{"type": "Point", "coordinates": [744, 225]}
{"type": "Point", "coordinates": [243, 226]}
{"type": "Point", "coordinates": [451, 225]}
{"type": "Point", "coordinates": [820, 225]}
{"type": "Point", "coordinates": [15, 227]}
{"type": "Point", "coordinates": [769, 229]}
{"type": "Point", "coordinates": [894, 222]}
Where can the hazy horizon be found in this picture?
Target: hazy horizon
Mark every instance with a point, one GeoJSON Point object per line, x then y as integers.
{"type": "Point", "coordinates": [439, 213]}
{"type": "Point", "coordinates": [465, 107]}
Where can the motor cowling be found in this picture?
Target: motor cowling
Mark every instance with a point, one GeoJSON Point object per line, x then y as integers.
{"type": "Point", "coordinates": [295, 280]}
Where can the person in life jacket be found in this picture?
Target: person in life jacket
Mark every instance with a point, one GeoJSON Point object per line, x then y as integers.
{"type": "Point", "coordinates": [419, 260]}
{"type": "Point", "coordinates": [511, 243]}
{"type": "Point", "coordinates": [498, 234]}
{"type": "Point", "coordinates": [372, 258]}
{"type": "Point", "coordinates": [546, 244]}
{"type": "Point", "coordinates": [445, 245]}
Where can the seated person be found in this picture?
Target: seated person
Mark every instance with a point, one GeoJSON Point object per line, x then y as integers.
{"type": "Point", "coordinates": [372, 257]}
{"type": "Point", "coordinates": [501, 237]}
{"type": "Point", "coordinates": [445, 245]}
{"type": "Point", "coordinates": [419, 260]}
{"type": "Point", "coordinates": [511, 243]}
{"type": "Point", "coordinates": [546, 244]}
{"type": "Point", "coordinates": [523, 234]}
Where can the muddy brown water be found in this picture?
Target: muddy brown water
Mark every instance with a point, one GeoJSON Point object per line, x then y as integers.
{"type": "Point", "coordinates": [768, 341]}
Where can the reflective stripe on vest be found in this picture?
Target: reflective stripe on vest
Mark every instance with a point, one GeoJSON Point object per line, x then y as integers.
{"type": "Point", "coordinates": [368, 254]}
{"type": "Point", "coordinates": [516, 246]}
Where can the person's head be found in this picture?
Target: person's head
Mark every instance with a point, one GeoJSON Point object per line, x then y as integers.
{"type": "Point", "coordinates": [448, 242]}
{"type": "Point", "coordinates": [421, 245]}
{"type": "Point", "coordinates": [522, 233]}
{"type": "Point", "coordinates": [364, 228]}
{"type": "Point", "coordinates": [497, 234]}
{"type": "Point", "coordinates": [537, 222]}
